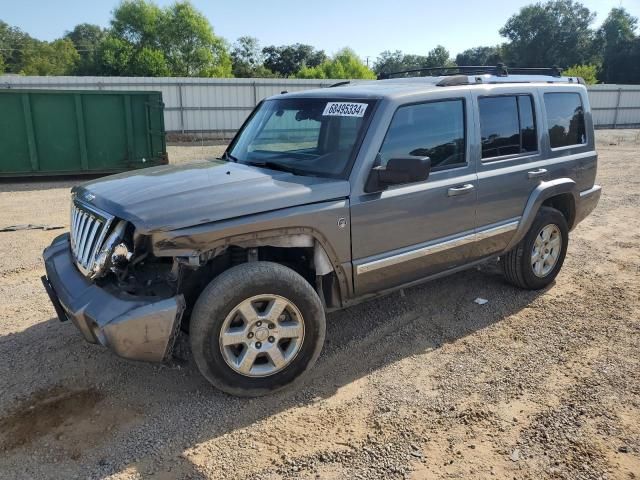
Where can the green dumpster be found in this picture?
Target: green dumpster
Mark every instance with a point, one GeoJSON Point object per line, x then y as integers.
{"type": "Point", "coordinates": [69, 132]}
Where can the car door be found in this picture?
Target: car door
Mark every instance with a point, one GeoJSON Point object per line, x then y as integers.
{"type": "Point", "coordinates": [407, 232]}
{"type": "Point", "coordinates": [507, 173]}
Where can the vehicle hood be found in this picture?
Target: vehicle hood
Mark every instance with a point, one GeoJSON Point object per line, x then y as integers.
{"type": "Point", "coordinates": [170, 197]}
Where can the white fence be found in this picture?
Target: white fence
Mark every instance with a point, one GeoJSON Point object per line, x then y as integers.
{"type": "Point", "coordinates": [615, 106]}
{"type": "Point", "coordinates": [220, 105]}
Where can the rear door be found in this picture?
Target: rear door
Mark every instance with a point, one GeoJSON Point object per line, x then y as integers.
{"type": "Point", "coordinates": [510, 141]}
{"type": "Point", "coordinates": [411, 231]}
{"type": "Point", "coordinates": [528, 135]}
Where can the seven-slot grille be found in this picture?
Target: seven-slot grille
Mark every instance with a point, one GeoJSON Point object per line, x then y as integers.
{"type": "Point", "coordinates": [89, 227]}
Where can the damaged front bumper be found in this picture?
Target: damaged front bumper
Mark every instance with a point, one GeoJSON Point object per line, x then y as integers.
{"type": "Point", "coordinates": [137, 328]}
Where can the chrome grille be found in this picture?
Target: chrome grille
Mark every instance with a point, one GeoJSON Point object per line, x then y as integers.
{"type": "Point", "coordinates": [89, 226]}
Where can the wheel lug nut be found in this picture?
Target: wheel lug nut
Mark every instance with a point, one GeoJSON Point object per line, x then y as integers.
{"type": "Point", "coordinates": [258, 324]}
{"type": "Point", "coordinates": [272, 339]}
{"type": "Point", "coordinates": [258, 344]}
{"type": "Point", "coordinates": [272, 326]}
{"type": "Point", "coordinates": [250, 335]}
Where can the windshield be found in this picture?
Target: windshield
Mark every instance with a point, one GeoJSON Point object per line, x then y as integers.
{"type": "Point", "coordinates": [307, 136]}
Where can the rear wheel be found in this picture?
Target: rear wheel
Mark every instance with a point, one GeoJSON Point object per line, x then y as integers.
{"type": "Point", "coordinates": [536, 261]}
{"type": "Point", "coordinates": [256, 329]}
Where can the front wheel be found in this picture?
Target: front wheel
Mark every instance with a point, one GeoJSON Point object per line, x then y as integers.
{"type": "Point", "coordinates": [536, 261]}
{"type": "Point", "coordinates": [257, 328]}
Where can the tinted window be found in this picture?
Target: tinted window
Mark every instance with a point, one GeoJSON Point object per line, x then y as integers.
{"type": "Point", "coordinates": [507, 125]}
{"type": "Point", "coordinates": [565, 116]}
{"type": "Point", "coordinates": [527, 124]}
{"type": "Point", "coordinates": [434, 130]}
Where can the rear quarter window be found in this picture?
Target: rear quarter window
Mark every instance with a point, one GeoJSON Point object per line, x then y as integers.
{"type": "Point", "coordinates": [565, 118]}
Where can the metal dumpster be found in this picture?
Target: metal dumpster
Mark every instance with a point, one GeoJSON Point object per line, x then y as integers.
{"type": "Point", "coordinates": [69, 132]}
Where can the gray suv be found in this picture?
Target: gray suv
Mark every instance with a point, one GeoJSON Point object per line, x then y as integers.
{"type": "Point", "coordinates": [323, 199]}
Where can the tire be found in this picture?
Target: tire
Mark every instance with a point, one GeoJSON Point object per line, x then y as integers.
{"type": "Point", "coordinates": [517, 264]}
{"type": "Point", "coordinates": [227, 306]}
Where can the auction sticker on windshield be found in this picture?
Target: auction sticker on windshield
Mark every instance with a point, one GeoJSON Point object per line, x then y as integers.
{"type": "Point", "coordinates": [344, 109]}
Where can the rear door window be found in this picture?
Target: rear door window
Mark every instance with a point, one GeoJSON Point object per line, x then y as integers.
{"type": "Point", "coordinates": [565, 117]}
{"type": "Point", "coordinates": [507, 125]}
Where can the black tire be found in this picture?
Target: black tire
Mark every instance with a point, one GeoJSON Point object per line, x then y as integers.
{"type": "Point", "coordinates": [227, 291]}
{"type": "Point", "coordinates": [516, 264]}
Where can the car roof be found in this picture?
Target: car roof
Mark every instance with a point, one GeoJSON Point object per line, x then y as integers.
{"type": "Point", "coordinates": [399, 87]}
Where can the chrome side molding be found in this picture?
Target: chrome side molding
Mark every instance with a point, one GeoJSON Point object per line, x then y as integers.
{"type": "Point", "coordinates": [486, 232]}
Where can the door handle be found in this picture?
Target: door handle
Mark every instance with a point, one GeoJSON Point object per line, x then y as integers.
{"type": "Point", "coordinates": [461, 190]}
{"type": "Point", "coordinates": [541, 172]}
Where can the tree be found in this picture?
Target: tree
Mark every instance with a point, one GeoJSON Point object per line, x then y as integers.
{"type": "Point", "coordinates": [553, 33]}
{"type": "Point", "coordinates": [479, 56]}
{"type": "Point", "coordinates": [287, 60]}
{"type": "Point", "coordinates": [137, 22]}
{"type": "Point", "coordinates": [344, 64]}
{"type": "Point", "coordinates": [114, 56]}
{"type": "Point", "coordinates": [589, 73]}
{"type": "Point", "coordinates": [56, 58]}
{"type": "Point", "coordinates": [618, 43]}
{"type": "Point", "coordinates": [247, 59]}
{"type": "Point", "coordinates": [438, 57]}
{"type": "Point", "coordinates": [87, 39]}
{"type": "Point", "coordinates": [389, 62]}
{"type": "Point", "coordinates": [13, 41]}
{"type": "Point", "coordinates": [176, 40]}
{"type": "Point", "coordinates": [190, 45]}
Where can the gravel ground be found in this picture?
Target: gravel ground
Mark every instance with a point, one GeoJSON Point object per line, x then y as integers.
{"type": "Point", "coordinates": [420, 384]}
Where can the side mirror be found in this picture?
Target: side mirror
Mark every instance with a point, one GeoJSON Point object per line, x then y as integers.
{"type": "Point", "coordinates": [398, 171]}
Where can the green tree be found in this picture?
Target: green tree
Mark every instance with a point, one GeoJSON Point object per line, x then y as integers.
{"type": "Point", "coordinates": [619, 45]}
{"type": "Point", "coordinates": [114, 56]}
{"type": "Point", "coordinates": [190, 45]}
{"type": "Point", "coordinates": [439, 57]}
{"type": "Point", "coordinates": [589, 73]}
{"type": "Point", "coordinates": [55, 58]}
{"type": "Point", "coordinates": [13, 42]}
{"type": "Point", "coordinates": [344, 64]}
{"type": "Point", "coordinates": [148, 62]}
{"type": "Point", "coordinates": [288, 60]}
{"type": "Point", "coordinates": [152, 41]}
{"type": "Point", "coordinates": [553, 33]}
{"type": "Point", "coordinates": [389, 62]}
{"type": "Point", "coordinates": [247, 59]}
{"type": "Point", "coordinates": [87, 39]}
{"type": "Point", "coordinates": [479, 56]}
{"type": "Point", "coordinates": [137, 22]}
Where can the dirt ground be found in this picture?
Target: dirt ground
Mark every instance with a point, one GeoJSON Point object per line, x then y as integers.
{"type": "Point", "coordinates": [420, 384]}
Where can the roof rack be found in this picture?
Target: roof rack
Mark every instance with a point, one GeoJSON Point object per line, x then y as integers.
{"type": "Point", "coordinates": [499, 70]}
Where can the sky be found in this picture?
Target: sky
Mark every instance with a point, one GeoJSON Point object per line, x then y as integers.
{"type": "Point", "coordinates": [367, 26]}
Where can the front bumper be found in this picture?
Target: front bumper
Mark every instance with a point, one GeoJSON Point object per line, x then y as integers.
{"type": "Point", "coordinates": [137, 328]}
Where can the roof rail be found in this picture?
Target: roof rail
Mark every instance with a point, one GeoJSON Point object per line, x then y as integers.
{"type": "Point", "coordinates": [499, 70]}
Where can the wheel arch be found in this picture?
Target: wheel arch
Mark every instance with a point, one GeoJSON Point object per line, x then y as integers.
{"type": "Point", "coordinates": [325, 260]}
{"type": "Point", "coordinates": [560, 193]}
